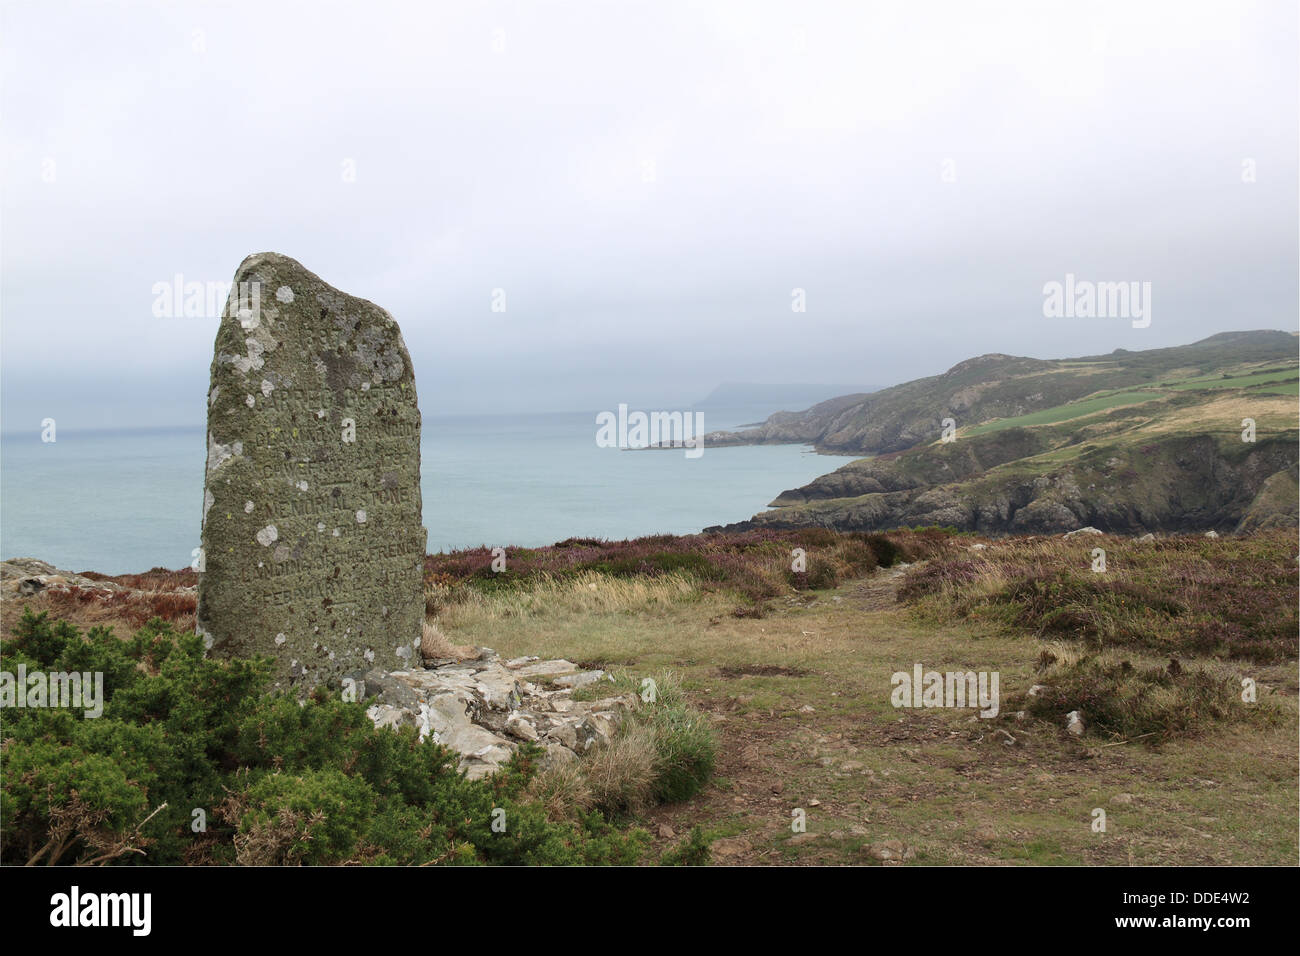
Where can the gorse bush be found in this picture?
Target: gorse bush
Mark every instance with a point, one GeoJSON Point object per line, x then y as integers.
{"type": "Point", "coordinates": [191, 762]}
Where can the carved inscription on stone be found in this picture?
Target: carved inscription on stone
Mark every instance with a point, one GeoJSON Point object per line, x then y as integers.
{"type": "Point", "coordinates": [313, 548]}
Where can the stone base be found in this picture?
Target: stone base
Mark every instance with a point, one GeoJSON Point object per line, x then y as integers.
{"type": "Point", "coordinates": [485, 708]}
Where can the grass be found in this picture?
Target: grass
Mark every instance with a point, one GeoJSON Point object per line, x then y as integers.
{"type": "Point", "coordinates": [798, 700]}
{"type": "Point", "coordinates": [682, 743]}
{"type": "Point", "coordinates": [1061, 413]}
{"type": "Point", "coordinates": [1210, 787]}
{"type": "Point", "coordinates": [1185, 595]}
{"type": "Point", "coordinates": [581, 575]}
{"type": "Point", "coordinates": [1135, 700]}
{"type": "Point", "coordinates": [1237, 381]}
{"type": "Point", "coordinates": [620, 775]}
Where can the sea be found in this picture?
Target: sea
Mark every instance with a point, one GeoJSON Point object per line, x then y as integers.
{"type": "Point", "coordinates": [129, 500]}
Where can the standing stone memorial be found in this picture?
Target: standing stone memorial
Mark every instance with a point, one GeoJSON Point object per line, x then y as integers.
{"type": "Point", "coordinates": [312, 546]}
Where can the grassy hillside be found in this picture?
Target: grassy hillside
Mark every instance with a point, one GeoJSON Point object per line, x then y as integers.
{"type": "Point", "coordinates": [1006, 387]}
{"type": "Point", "coordinates": [1166, 453]}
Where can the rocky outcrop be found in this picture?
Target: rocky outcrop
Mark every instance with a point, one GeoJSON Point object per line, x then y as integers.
{"type": "Point", "coordinates": [942, 464]}
{"type": "Point", "coordinates": [23, 577]}
{"type": "Point", "coordinates": [485, 708]}
{"type": "Point", "coordinates": [1277, 504]}
{"type": "Point", "coordinates": [1175, 483]}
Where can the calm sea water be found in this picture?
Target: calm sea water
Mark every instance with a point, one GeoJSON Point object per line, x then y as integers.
{"type": "Point", "coordinates": [127, 501]}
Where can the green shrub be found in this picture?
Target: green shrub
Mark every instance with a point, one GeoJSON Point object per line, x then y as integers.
{"type": "Point", "coordinates": [822, 573]}
{"type": "Point", "coordinates": [693, 851]}
{"type": "Point", "coordinates": [313, 817]}
{"type": "Point", "coordinates": [275, 780]}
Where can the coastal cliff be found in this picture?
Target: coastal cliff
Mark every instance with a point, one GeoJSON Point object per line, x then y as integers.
{"type": "Point", "coordinates": [1199, 437]}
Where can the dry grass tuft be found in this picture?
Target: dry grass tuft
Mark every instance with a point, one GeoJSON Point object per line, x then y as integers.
{"type": "Point", "coordinates": [588, 593]}
{"type": "Point", "coordinates": [621, 775]}
{"type": "Point", "coordinates": [434, 645]}
{"type": "Point", "coordinates": [562, 790]}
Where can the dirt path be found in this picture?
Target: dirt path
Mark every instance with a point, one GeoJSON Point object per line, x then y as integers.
{"type": "Point", "coordinates": [881, 786]}
{"type": "Point", "coordinates": [880, 590]}
{"type": "Point", "coordinates": [767, 757]}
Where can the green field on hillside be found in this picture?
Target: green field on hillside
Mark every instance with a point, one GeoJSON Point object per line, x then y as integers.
{"type": "Point", "coordinates": [1241, 381]}
{"type": "Point", "coordinates": [1061, 413]}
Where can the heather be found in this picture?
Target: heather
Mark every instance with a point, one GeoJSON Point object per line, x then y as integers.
{"type": "Point", "coordinates": [1231, 597]}
{"type": "Point", "coordinates": [756, 566]}
{"type": "Point", "coordinates": [1133, 699]}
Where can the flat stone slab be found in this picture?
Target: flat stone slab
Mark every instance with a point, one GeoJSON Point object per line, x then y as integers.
{"type": "Point", "coordinates": [546, 668]}
{"type": "Point", "coordinates": [580, 679]}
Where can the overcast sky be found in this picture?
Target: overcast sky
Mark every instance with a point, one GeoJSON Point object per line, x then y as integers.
{"type": "Point", "coordinates": [648, 182]}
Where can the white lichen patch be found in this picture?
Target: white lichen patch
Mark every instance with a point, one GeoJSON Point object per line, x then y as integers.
{"type": "Point", "coordinates": [280, 638]}
{"type": "Point", "coordinates": [207, 503]}
{"type": "Point", "coordinates": [336, 532]}
{"type": "Point", "coordinates": [266, 537]}
{"type": "Point", "coordinates": [321, 413]}
{"type": "Point", "coordinates": [320, 526]}
{"type": "Point", "coordinates": [361, 517]}
{"type": "Point", "coordinates": [284, 294]}
{"type": "Point", "coordinates": [302, 486]}
{"type": "Point", "coordinates": [256, 350]}
{"type": "Point", "coordinates": [250, 401]}
{"type": "Point", "coordinates": [248, 507]}
{"type": "Point", "coordinates": [219, 454]}
{"type": "Point", "coordinates": [267, 388]}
